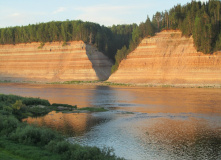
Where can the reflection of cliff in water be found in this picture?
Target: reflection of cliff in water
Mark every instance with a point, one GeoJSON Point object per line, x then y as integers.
{"type": "Point", "coordinates": [72, 124]}
{"type": "Point", "coordinates": [105, 96]}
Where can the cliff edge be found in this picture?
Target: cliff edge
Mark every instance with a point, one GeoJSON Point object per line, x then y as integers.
{"type": "Point", "coordinates": [169, 58]}
{"type": "Point", "coordinates": [74, 61]}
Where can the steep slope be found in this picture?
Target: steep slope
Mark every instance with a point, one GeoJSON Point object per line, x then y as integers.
{"type": "Point", "coordinates": [53, 62]}
{"type": "Point", "coordinates": [169, 58]}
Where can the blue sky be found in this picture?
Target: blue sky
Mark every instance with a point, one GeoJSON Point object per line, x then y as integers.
{"type": "Point", "coordinates": [104, 12]}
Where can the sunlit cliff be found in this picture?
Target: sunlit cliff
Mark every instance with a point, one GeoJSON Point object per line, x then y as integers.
{"type": "Point", "coordinates": [169, 58]}
{"type": "Point", "coordinates": [53, 62]}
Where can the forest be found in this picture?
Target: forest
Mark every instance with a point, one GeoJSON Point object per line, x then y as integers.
{"type": "Point", "coordinates": [198, 19]}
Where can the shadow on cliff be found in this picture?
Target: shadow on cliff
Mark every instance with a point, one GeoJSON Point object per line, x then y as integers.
{"type": "Point", "coordinates": [100, 63]}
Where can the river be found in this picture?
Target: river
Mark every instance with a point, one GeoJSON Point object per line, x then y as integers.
{"type": "Point", "coordinates": [142, 123]}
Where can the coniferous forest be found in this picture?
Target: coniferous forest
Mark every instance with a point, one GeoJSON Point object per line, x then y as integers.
{"type": "Point", "coordinates": [197, 19]}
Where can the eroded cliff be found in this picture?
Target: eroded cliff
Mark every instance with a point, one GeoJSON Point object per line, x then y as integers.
{"type": "Point", "coordinates": [169, 58]}
{"type": "Point", "coordinates": [53, 62]}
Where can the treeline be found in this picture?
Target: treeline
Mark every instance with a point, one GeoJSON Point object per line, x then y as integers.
{"type": "Point", "coordinates": [137, 34]}
{"type": "Point", "coordinates": [107, 40]}
{"type": "Point", "coordinates": [197, 19]}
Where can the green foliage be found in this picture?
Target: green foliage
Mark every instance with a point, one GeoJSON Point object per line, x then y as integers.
{"type": "Point", "coordinates": [18, 105]}
{"type": "Point", "coordinates": [11, 99]}
{"type": "Point", "coordinates": [21, 107]}
{"type": "Point", "coordinates": [94, 109]}
{"type": "Point", "coordinates": [139, 32]}
{"type": "Point", "coordinates": [202, 20]}
{"type": "Point", "coordinates": [64, 105]}
{"type": "Point", "coordinates": [8, 124]}
{"type": "Point", "coordinates": [34, 135]}
{"type": "Point", "coordinates": [20, 151]}
{"type": "Point", "coordinates": [35, 101]}
{"type": "Point", "coordinates": [64, 44]}
{"type": "Point", "coordinates": [218, 43]}
{"type": "Point", "coordinates": [41, 45]}
{"type": "Point", "coordinates": [107, 40]}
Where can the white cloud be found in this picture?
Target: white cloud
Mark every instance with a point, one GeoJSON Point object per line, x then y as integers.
{"type": "Point", "coordinates": [59, 10]}
{"type": "Point", "coordinates": [107, 8]}
{"type": "Point", "coordinates": [108, 14]}
{"type": "Point", "coordinates": [15, 15]}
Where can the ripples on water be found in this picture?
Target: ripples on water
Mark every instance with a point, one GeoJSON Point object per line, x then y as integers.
{"type": "Point", "coordinates": [143, 123]}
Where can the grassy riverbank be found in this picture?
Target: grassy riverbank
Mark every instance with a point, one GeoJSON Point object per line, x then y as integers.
{"type": "Point", "coordinates": [107, 83]}
{"type": "Point", "coordinates": [21, 141]}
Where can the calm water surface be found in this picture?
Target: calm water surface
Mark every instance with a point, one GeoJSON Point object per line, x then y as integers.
{"type": "Point", "coordinates": [142, 123]}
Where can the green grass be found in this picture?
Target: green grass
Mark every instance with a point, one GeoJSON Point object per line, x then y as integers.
{"type": "Point", "coordinates": [167, 86]}
{"type": "Point", "coordinates": [74, 82]}
{"type": "Point", "coordinates": [5, 81]}
{"type": "Point", "coordinates": [116, 84]}
{"type": "Point", "coordinates": [94, 109]}
{"type": "Point", "coordinates": [17, 151]}
{"type": "Point", "coordinates": [64, 105]}
{"type": "Point", "coordinates": [6, 155]}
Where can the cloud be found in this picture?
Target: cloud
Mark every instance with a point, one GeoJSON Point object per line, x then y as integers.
{"type": "Point", "coordinates": [106, 8]}
{"type": "Point", "coordinates": [107, 14]}
{"type": "Point", "coordinates": [15, 15]}
{"type": "Point", "coordinates": [59, 10]}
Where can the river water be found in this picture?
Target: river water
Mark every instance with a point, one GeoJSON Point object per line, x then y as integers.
{"type": "Point", "coordinates": [142, 123]}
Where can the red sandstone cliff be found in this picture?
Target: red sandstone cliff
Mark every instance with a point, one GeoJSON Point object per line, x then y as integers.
{"type": "Point", "coordinates": [168, 58]}
{"type": "Point", "coordinates": [53, 62]}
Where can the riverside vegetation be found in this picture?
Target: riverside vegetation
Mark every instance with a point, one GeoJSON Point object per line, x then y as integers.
{"type": "Point", "coordinates": [21, 141]}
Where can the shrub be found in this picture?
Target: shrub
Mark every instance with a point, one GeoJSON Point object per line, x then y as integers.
{"type": "Point", "coordinates": [58, 146]}
{"type": "Point", "coordinates": [41, 45]}
{"type": "Point", "coordinates": [18, 105]}
{"type": "Point", "coordinates": [35, 101]}
{"type": "Point", "coordinates": [11, 99]}
{"type": "Point", "coordinates": [8, 124]}
{"type": "Point", "coordinates": [64, 105]}
{"type": "Point", "coordinates": [34, 135]}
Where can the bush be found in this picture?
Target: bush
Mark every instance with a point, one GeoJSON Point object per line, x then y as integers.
{"type": "Point", "coordinates": [11, 99]}
{"type": "Point", "coordinates": [35, 101]}
{"type": "Point", "coordinates": [8, 124]}
{"type": "Point", "coordinates": [58, 146]}
{"type": "Point", "coordinates": [18, 105]}
{"type": "Point", "coordinates": [64, 105]}
{"type": "Point", "coordinates": [41, 45]}
{"type": "Point", "coordinates": [75, 151]}
{"type": "Point", "coordinates": [34, 135]}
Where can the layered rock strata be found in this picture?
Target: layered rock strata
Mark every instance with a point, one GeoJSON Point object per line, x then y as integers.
{"type": "Point", "coordinates": [169, 58]}
{"type": "Point", "coordinates": [53, 62]}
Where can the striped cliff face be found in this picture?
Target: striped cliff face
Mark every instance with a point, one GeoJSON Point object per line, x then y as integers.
{"type": "Point", "coordinates": [169, 58]}
{"type": "Point", "coordinates": [53, 62]}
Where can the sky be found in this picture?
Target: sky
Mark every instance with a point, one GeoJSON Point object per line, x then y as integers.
{"type": "Point", "coordinates": [104, 12]}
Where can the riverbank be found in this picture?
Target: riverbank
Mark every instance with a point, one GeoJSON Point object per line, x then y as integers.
{"type": "Point", "coordinates": [19, 140]}
{"type": "Point", "coordinates": [106, 83]}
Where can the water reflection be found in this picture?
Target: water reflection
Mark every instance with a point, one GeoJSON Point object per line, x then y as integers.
{"type": "Point", "coordinates": [72, 124]}
{"type": "Point", "coordinates": [158, 136]}
{"type": "Point", "coordinates": [135, 99]}
{"type": "Point", "coordinates": [106, 96]}
{"type": "Point", "coordinates": [143, 123]}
